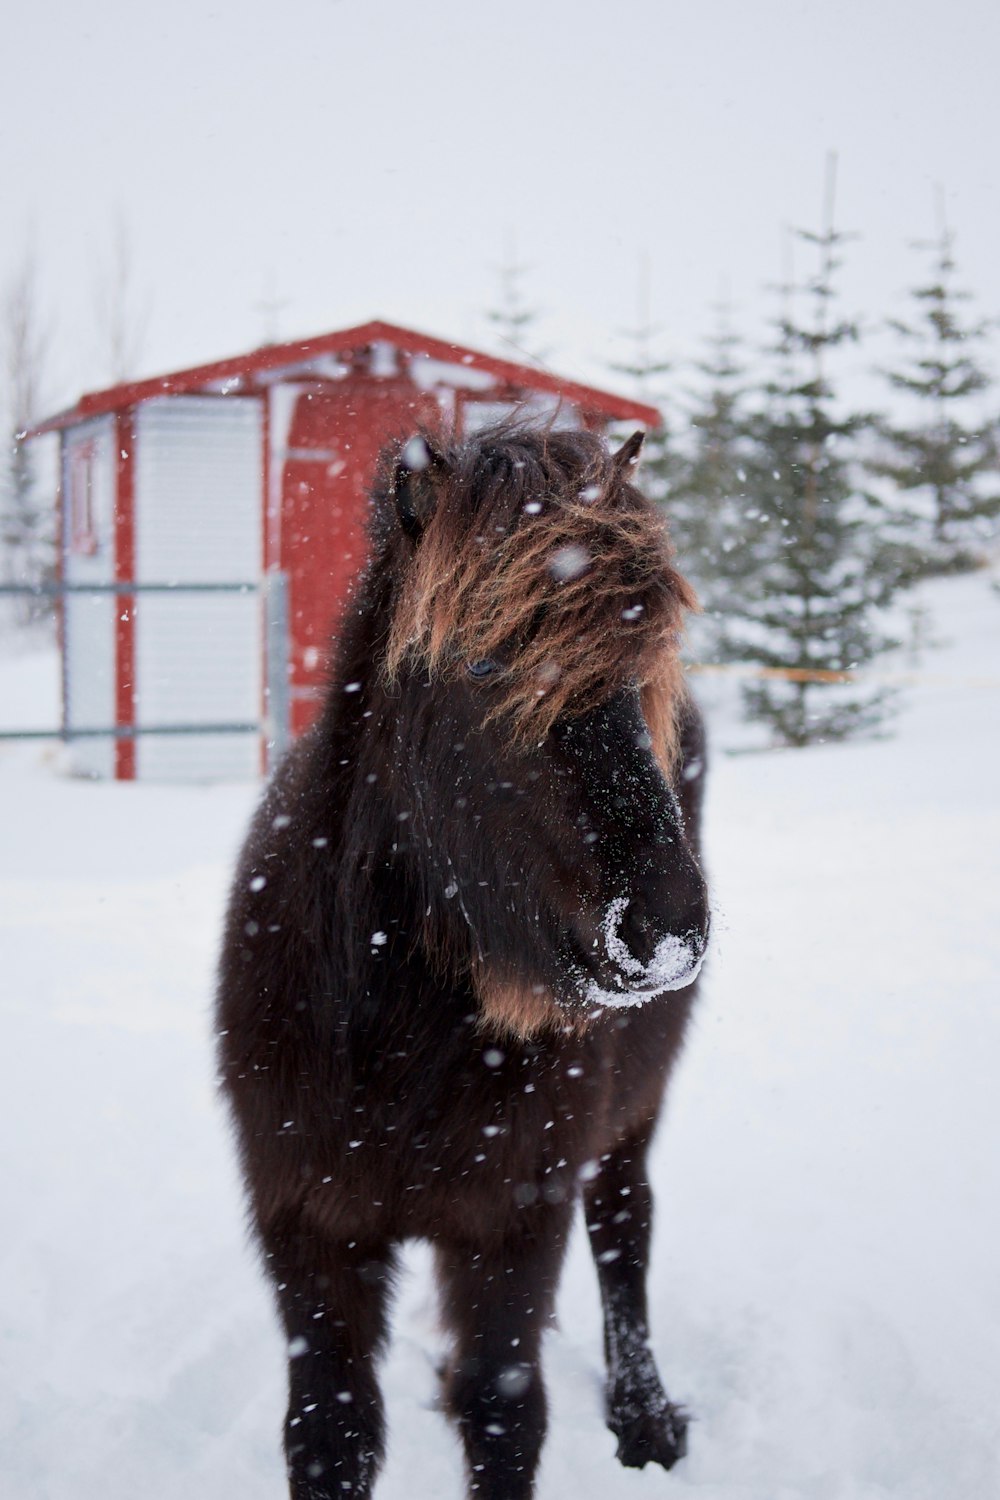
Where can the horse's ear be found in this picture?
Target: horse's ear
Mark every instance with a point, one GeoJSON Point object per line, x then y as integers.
{"type": "Point", "coordinates": [419, 465]}
{"type": "Point", "coordinates": [628, 454]}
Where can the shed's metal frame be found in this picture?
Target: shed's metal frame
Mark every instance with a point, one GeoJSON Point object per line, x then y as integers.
{"type": "Point", "coordinates": [274, 726]}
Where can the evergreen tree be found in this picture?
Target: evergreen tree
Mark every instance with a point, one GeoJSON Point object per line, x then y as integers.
{"type": "Point", "coordinates": [707, 494]}
{"type": "Point", "coordinates": [514, 322]}
{"type": "Point", "coordinates": [122, 313]}
{"type": "Point", "coordinates": [646, 370]}
{"type": "Point", "coordinates": [945, 463]}
{"type": "Point", "coordinates": [815, 568]}
{"type": "Point", "coordinates": [26, 516]}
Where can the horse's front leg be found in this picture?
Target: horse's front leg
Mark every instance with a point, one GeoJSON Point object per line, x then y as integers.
{"type": "Point", "coordinates": [618, 1204]}
{"type": "Point", "coordinates": [333, 1298]}
{"type": "Point", "coordinates": [497, 1302]}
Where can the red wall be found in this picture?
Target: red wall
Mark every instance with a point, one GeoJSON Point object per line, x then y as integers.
{"type": "Point", "coordinates": [334, 441]}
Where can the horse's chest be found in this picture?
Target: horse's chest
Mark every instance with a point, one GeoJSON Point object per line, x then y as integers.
{"type": "Point", "coordinates": [477, 1134]}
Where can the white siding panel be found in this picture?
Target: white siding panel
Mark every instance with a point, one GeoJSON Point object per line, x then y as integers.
{"type": "Point", "coordinates": [199, 489]}
{"type": "Point", "coordinates": [90, 680]}
{"type": "Point", "coordinates": [202, 757]}
{"type": "Point", "coordinates": [198, 661]}
{"type": "Point", "coordinates": [89, 619]}
{"type": "Point", "coordinates": [539, 408]}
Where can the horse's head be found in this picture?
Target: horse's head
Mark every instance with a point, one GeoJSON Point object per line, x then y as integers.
{"type": "Point", "coordinates": [530, 690]}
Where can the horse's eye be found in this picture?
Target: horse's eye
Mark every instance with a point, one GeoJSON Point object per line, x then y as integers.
{"type": "Point", "coordinates": [481, 668]}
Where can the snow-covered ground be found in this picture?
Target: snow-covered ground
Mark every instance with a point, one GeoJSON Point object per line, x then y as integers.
{"type": "Point", "coordinates": [825, 1289]}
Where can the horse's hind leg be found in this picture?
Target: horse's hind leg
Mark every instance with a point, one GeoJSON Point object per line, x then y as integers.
{"type": "Point", "coordinates": [618, 1205]}
{"type": "Point", "coordinates": [497, 1303]}
{"type": "Point", "coordinates": [333, 1299]}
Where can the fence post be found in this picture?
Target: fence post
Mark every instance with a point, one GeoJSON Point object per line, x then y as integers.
{"type": "Point", "coordinates": [277, 717]}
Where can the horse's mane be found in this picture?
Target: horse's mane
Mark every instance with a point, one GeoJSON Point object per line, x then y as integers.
{"type": "Point", "coordinates": [539, 553]}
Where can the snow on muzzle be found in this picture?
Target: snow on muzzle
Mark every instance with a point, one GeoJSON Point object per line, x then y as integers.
{"type": "Point", "coordinates": [674, 963]}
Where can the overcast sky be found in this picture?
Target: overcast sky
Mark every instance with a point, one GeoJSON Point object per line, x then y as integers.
{"type": "Point", "coordinates": [363, 158]}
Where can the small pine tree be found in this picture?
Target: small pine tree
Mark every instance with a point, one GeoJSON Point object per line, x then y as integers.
{"type": "Point", "coordinates": [707, 494]}
{"type": "Point", "coordinates": [814, 569]}
{"type": "Point", "coordinates": [121, 312]}
{"type": "Point", "coordinates": [945, 463]}
{"type": "Point", "coordinates": [513, 321]}
{"type": "Point", "coordinates": [646, 371]}
{"type": "Point", "coordinates": [26, 516]}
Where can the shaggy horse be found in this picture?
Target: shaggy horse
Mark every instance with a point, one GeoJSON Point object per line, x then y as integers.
{"type": "Point", "coordinates": [444, 1002]}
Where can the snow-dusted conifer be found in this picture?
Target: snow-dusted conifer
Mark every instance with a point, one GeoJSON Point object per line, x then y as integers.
{"type": "Point", "coordinates": [26, 514]}
{"type": "Point", "coordinates": [707, 494]}
{"type": "Point", "coordinates": [944, 461]}
{"type": "Point", "coordinates": [513, 321]}
{"type": "Point", "coordinates": [815, 569]}
{"type": "Point", "coordinates": [121, 311]}
{"type": "Point", "coordinates": [646, 369]}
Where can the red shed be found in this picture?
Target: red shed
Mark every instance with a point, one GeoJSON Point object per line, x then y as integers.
{"type": "Point", "coordinates": [211, 522]}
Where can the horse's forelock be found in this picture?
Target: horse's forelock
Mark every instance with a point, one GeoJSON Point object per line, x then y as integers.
{"type": "Point", "coordinates": [539, 552]}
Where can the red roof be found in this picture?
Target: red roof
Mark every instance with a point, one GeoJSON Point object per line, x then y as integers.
{"type": "Point", "coordinates": [273, 357]}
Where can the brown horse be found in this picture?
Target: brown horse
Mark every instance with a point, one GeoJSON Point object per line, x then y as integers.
{"type": "Point", "coordinates": [462, 945]}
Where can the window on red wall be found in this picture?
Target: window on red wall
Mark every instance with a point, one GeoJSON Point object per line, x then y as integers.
{"type": "Point", "coordinates": [82, 505]}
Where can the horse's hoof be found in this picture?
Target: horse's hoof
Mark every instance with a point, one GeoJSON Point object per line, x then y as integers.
{"type": "Point", "coordinates": [652, 1437]}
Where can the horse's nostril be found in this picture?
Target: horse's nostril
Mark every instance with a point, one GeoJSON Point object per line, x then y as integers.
{"type": "Point", "coordinates": [639, 932]}
{"type": "Point", "coordinates": [643, 927]}
{"type": "Point", "coordinates": [648, 954]}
